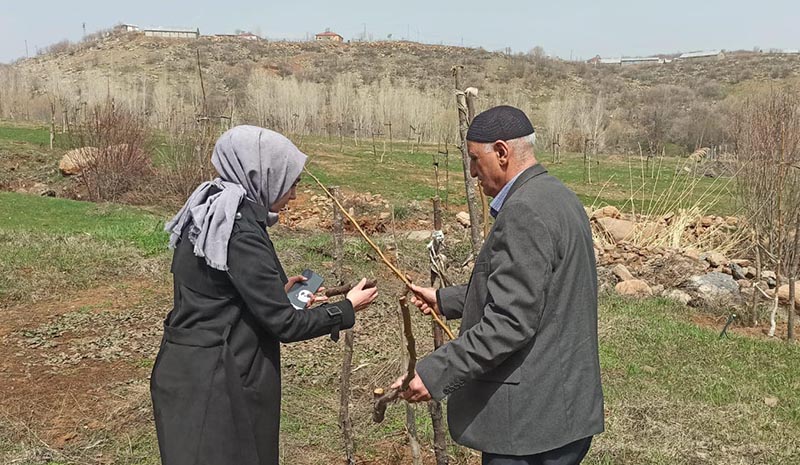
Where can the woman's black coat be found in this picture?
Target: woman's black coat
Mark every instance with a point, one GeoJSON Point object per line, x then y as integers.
{"type": "Point", "coordinates": [216, 383]}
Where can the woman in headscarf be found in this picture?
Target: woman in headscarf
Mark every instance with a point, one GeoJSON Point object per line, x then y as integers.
{"type": "Point", "coordinates": [216, 383]}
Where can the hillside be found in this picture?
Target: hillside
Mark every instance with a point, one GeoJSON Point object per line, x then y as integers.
{"type": "Point", "coordinates": [405, 83]}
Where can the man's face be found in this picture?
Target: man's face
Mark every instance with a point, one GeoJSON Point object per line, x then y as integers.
{"type": "Point", "coordinates": [488, 165]}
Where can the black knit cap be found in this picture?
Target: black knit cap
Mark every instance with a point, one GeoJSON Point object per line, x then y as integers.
{"type": "Point", "coordinates": [499, 123]}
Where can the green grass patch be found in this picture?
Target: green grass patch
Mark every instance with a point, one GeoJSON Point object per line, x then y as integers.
{"type": "Point", "coordinates": [32, 135]}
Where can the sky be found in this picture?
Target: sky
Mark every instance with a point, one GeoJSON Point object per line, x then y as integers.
{"type": "Point", "coordinates": [567, 28]}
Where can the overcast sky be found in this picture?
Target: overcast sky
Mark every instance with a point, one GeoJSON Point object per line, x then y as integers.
{"type": "Point", "coordinates": [565, 28]}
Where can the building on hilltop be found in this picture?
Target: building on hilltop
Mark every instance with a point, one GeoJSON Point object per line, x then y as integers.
{"type": "Point", "coordinates": [625, 61]}
{"type": "Point", "coordinates": [126, 28]}
{"type": "Point", "coordinates": [718, 54]}
{"type": "Point", "coordinates": [328, 36]}
{"type": "Point", "coordinates": [173, 33]}
{"type": "Point", "coordinates": [239, 36]}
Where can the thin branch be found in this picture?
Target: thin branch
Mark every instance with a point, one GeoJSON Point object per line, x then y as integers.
{"type": "Point", "coordinates": [394, 269]}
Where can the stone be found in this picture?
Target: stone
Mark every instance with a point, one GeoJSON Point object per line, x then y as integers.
{"type": "Point", "coordinates": [634, 288]}
{"type": "Point", "coordinates": [714, 287]}
{"type": "Point", "coordinates": [419, 236]}
{"type": "Point", "coordinates": [619, 230]}
{"type": "Point", "coordinates": [652, 230]}
{"type": "Point", "coordinates": [749, 272]}
{"type": "Point", "coordinates": [463, 219]}
{"type": "Point", "coordinates": [658, 289]}
{"type": "Point", "coordinates": [74, 161]}
{"type": "Point", "coordinates": [783, 294]}
{"type": "Point", "coordinates": [606, 212]}
{"type": "Point", "coordinates": [744, 283]}
{"type": "Point", "coordinates": [622, 273]}
{"type": "Point", "coordinates": [770, 278]}
{"type": "Point", "coordinates": [737, 271]}
{"type": "Point", "coordinates": [678, 296]}
{"type": "Point", "coordinates": [771, 401]}
{"type": "Point", "coordinates": [692, 253]}
{"type": "Point", "coordinates": [716, 259]}
{"type": "Point", "coordinates": [384, 216]}
{"type": "Point", "coordinates": [743, 262]}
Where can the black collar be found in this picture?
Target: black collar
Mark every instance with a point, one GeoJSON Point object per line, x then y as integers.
{"type": "Point", "coordinates": [259, 212]}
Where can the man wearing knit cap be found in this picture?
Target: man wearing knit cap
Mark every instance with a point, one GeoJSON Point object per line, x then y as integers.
{"type": "Point", "coordinates": [523, 377]}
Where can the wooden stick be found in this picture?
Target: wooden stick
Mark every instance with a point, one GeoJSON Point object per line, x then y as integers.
{"type": "Point", "coordinates": [344, 289]}
{"type": "Point", "coordinates": [384, 398]}
{"type": "Point", "coordinates": [394, 269]}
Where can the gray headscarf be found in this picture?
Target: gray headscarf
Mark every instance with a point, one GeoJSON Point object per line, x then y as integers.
{"type": "Point", "coordinates": [253, 163]}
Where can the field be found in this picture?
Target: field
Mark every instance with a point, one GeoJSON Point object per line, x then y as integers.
{"type": "Point", "coordinates": [84, 288]}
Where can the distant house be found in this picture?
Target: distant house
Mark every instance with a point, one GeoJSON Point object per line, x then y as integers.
{"type": "Point", "coordinates": [126, 28]}
{"type": "Point", "coordinates": [718, 54]}
{"type": "Point", "coordinates": [173, 33]}
{"type": "Point", "coordinates": [788, 51]}
{"type": "Point", "coordinates": [240, 36]}
{"type": "Point", "coordinates": [328, 36]}
{"type": "Point", "coordinates": [641, 61]}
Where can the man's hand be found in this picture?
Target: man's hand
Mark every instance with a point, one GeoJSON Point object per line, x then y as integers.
{"type": "Point", "coordinates": [416, 392]}
{"type": "Point", "coordinates": [424, 298]}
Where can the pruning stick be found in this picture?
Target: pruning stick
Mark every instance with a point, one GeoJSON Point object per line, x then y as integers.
{"type": "Point", "coordinates": [394, 269]}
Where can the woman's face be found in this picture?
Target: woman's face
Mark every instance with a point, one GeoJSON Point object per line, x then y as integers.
{"type": "Point", "coordinates": [281, 202]}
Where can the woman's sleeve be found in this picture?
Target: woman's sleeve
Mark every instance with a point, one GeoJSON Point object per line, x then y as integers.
{"type": "Point", "coordinates": [255, 273]}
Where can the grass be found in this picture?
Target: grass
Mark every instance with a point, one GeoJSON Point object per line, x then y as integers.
{"type": "Point", "coordinates": [625, 182]}
{"type": "Point", "coordinates": [51, 245]}
{"type": "Point", "coordinates": [30, 134]}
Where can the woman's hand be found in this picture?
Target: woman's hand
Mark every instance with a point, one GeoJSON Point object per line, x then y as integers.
{"type": "Point", "coordinates": [424, 298]}
{"type": "Point", "coordinates": [317, 298]}
{"type": "Point", "coordinates": [360, 297]}
{"type": "Point", "coordinates": [294, 280]}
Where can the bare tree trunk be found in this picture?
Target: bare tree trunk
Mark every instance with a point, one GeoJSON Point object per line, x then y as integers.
{"type": "Point", "coordinates": [52, 123]}
{"type": "Point", "coordinates": [345, 422]}
{"type": "Point", "coordinates": [754, 304]}
{"type": "Point", "coordinates": [792, 308]}
{"type": "Point", "coordinates": [469, 182]}
{"type": "Point", "coordinates": [434, 406]}
{"type": "Point", "coordinates": [411, 417]}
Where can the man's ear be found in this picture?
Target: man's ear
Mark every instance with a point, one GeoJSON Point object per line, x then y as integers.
{"type": "Point", "coordinates": [502, 150]}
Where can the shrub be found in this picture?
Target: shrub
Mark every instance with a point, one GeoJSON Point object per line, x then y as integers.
{"type": "Point", "coordinates": [120, 161]}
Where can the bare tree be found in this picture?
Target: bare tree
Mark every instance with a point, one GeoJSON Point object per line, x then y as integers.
{"type": "Point", "coordinates": [768, 151]}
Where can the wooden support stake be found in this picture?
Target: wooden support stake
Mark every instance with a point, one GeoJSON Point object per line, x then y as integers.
{"type": "Point", "coordinates": [403, 277]}
{"type": "Point", "coordinates": [345, 288]}
{"type": "Point", "coordinates": [434, 406]}
{"type": "Point", "coordinates": [469, 182]}
{"type": "Point", "coordinates": [384, 398]}
{"type": "Point", "coordinates": [345, 422]}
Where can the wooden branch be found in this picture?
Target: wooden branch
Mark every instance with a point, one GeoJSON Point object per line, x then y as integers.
{"type": "Point", "coordinates": [385, 260]}
{"type": "Point", "coordinates": [384, 398]}
{"type": "Point", "coordinates": [344, 289]}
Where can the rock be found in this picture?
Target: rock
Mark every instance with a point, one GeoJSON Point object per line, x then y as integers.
{"type": "Point", "coordinates": [770, 277]}
{"type": "Point", "coordinates": [606, 212]}
{"type": "Point", "coordinates": [771, 401]}
{"type": "Point", "coordinates": [634, 288]}
{"type": "Point", "coordinates": [716, 259]}
{"type": "Point", "coordinates": [658, 289]}
{"type": "Point", "coordinates": [692, 253]}
{"type": "Point", "coordinates": [743, 262]}
{"type": "Point", "coordinates": [737, 271]}
{"type": "Point", "coordinates": [714, 287]}
{"type": "Point", "coordinates": [619, 230]}
{"type": "Point", "coordinates": [463, 219]}
{"type": "Point", "coordinates": [679, 296]}
{"type": "Point", "coordinates": [74, 161]}
{"type": "Point", "coordinates": [783, 293]}
{"type": "Point", "coordinates": [384, 216]}
{"type": "Point", "coordinates": [744, 284]}
{"type": "Point", "coordinates": [749, 272]}
{"type": "Point", "coordinates": [652, 230]}
{"type": "Point", "coordinates": [420, 236]}
{"type": "Point", "coordinates": [622, 273]}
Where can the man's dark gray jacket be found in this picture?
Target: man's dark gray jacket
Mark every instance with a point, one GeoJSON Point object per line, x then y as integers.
{"type": "Point", "coordinates": [523, 376]}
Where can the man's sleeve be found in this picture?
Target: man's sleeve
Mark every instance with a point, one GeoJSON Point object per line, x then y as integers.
{"type": "Point", "coordinates": [520, 271]}
{"type": "Point", "coordinates": [451, 301]}
{"type": "Point", "coordinates": [255, 272]}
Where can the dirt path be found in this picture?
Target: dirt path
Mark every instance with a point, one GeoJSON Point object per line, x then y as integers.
{"type": "Point", "coordinates": [77, 365]}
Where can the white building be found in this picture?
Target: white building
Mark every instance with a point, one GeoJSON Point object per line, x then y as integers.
{"type": "Point", "coordinates": [719, 54]}
{"type": "Point", "coordinates": [173, 33]}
